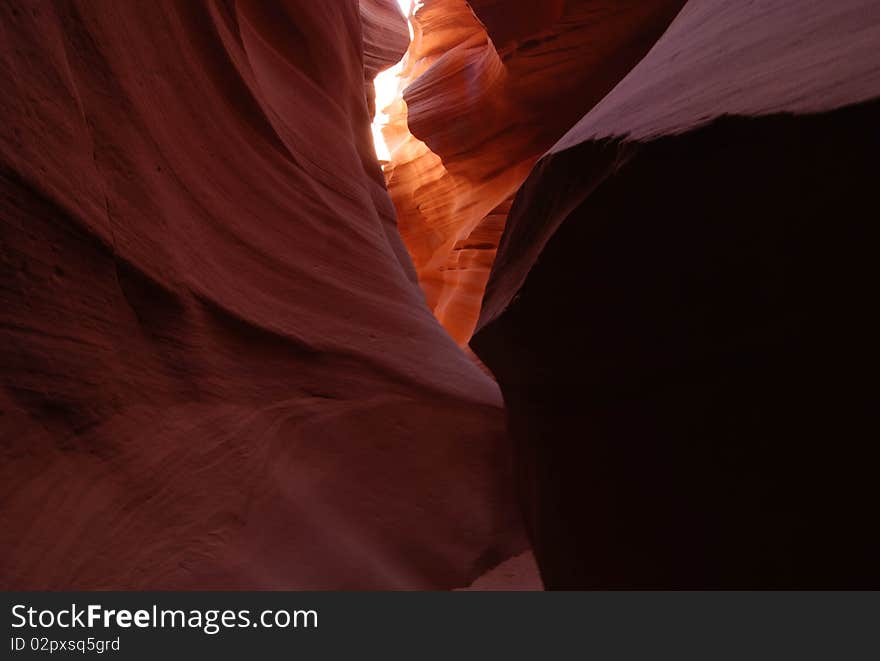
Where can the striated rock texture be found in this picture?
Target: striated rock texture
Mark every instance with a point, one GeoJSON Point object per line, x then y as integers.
{"type": "Point", "coordinates": [679, 314]}
{"type": "Point", "coordinates": [218, 370]}
{"type": "Point", "coordinates": [489, 86]}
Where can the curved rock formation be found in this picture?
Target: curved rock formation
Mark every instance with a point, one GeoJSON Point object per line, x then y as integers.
{"type": "Point", "coordinates": [218, 358]}
{"type": "Point", "coordinates": [218, 370]}
{"type": "Point", "coordinates": [679, 312]}
{"type": "Point", "coordinates": [482, 101]}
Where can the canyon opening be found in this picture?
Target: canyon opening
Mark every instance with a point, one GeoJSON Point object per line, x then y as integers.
{"type": "Point", "coordinates": [451, 294]}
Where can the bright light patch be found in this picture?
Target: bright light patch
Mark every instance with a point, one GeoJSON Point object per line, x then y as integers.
{"type": "Point", "coordinates": [387, 85]}
{"type": "Point", "coordinates": [405, 6]}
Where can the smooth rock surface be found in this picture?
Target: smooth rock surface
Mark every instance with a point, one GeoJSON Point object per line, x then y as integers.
{"type": "Point", "coordinates": [218, 370]}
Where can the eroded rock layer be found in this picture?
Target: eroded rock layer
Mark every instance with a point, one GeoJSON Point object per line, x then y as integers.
{"type": "Point", "coordinates": [489, 87]}
{"type": "Point", "coordinates": [679, 315]}
{"type": "Point", "coordinates": [217, 368]}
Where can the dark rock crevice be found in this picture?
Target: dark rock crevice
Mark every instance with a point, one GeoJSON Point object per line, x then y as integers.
{"type": "Point", "coordinates": [684, 363]}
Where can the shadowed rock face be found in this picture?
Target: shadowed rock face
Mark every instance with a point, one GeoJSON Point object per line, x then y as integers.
{"type": "Point", "coordinates": [489, 87]}
{"type": "Point", "coordinates": [506, 22]}
{"type": "Point", "coordinates": [678, 312]}
{"type": "Point", "coordinates": [218, 369]}
{"type": "Point", "coordinates": [218, 358]}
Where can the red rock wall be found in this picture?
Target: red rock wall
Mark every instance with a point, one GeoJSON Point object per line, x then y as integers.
{"type": "Point", "coordinates": [678, 313]}
{"type": "Point", "coordinates": [218, 370]}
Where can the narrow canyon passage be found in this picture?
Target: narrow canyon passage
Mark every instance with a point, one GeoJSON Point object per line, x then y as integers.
{"type": "Point", "coordinates": [249, 250]}
{"type": "Point", "coordinates": [619, 322]}
{"type": "Point", "coordinates": [481, 93]}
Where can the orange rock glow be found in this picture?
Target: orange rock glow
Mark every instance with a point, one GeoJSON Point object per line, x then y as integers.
{"type": "Point", "coordinates": [485, 91]}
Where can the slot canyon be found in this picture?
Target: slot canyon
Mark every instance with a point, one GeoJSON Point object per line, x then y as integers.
{"type": "Point", "coordinates": [443, 294]}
